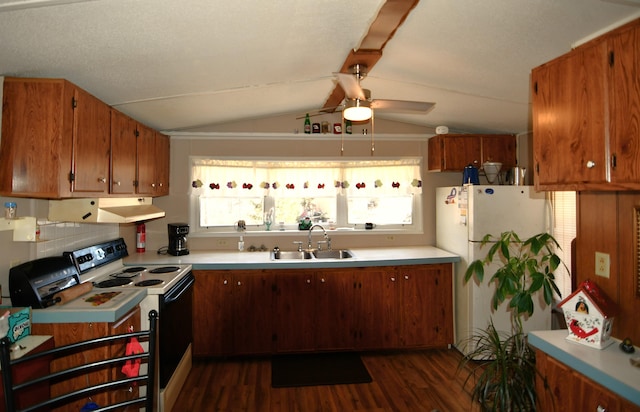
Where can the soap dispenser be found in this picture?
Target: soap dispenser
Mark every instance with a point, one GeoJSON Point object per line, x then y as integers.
{"type": "Point", "coordinates": [241, 244]}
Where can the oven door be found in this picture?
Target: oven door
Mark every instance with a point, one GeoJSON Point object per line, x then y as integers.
{"type": "Point", "coordinates": [175, 331]}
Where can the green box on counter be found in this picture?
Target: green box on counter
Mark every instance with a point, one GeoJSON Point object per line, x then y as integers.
{"type": "Point", "coordinates": [19, 322]}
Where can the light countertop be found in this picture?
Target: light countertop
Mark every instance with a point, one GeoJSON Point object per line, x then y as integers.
{"type": "Point", "coordinates": [211, 260]}
{"type": "Point", "coordinates": [609, 367]}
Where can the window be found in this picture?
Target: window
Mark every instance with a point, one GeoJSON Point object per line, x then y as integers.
{"type": "Point", "coordinates": [280, 193]}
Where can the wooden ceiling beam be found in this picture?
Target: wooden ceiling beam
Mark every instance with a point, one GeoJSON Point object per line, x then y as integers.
{"type": "Point", "coordinates": [391, 15]}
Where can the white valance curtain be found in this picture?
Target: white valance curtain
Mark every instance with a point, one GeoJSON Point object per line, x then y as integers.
{"type": "Point", "coordinates": [246, 178]}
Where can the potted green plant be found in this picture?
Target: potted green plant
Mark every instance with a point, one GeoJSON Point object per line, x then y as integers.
{"type": "Point", "coordinates": [502, 363]}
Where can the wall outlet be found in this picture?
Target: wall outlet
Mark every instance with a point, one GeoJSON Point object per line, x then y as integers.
{"type": "Point", "coordinates": [391, 238]}
{"type": "Point", "coordinates": [602, 264]}
{"type": "Point", "coordinates": [222, 242]}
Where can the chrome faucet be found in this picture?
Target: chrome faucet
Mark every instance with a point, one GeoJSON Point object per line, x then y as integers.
{"type": "Point", "coordinates": [324, 232]}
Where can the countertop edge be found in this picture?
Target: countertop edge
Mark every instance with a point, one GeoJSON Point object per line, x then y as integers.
{"type": "Point", "coordinates": [554, 344]}
{"type": "Point", "coordinates": [75, 316]}
{"type": "Point", "coordinates": [363, 257]}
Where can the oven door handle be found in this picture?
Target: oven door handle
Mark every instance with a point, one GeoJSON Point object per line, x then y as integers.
{"type": "Point", "coordinates": [177, 291]}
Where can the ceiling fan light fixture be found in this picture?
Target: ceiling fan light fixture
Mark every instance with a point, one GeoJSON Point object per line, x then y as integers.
{"type": "Point", "coordinates": [357, 110]}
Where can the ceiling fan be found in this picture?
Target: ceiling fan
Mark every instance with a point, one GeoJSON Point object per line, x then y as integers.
{"type": "Point", "coordinates": [359, 105]}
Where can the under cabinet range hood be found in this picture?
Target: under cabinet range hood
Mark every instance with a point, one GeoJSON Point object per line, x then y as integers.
{"type": "Point", "coordinates": [104, 210]}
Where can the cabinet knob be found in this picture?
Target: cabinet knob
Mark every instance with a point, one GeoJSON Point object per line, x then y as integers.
{"type": "Point", "coordinates": [224, 282]}
{"type": "Point", "coordinates": [153, 185]}
{"type": "Point", "coordinates": [393, 279]}
{"type": "Point", "coordinates": [308, 281]}
{"type": "Point", "coordinates": [102, 180]}
{"type": "Point", "coordinates": [406, 277]}
{"type": "Point", "coordinates": [239, 283]}
{"type": "Point", "coordinates": [591, 164]}
{"type": "Point", "coordinates": [160, 184]}
{"type": "Point", "coordinates": [601, 408]}
{"type": "Point", "coordinates": [323, 280]}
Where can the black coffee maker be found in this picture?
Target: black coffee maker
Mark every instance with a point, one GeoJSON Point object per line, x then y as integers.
{"type": "Point", "coordinates": [178, 239]}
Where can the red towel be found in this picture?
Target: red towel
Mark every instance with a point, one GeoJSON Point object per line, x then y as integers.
{"type": "Point", "coordinates": [131, 368]}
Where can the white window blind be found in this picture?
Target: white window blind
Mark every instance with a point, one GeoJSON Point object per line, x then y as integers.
{"type": "Point", "coordinates": [564, 230]}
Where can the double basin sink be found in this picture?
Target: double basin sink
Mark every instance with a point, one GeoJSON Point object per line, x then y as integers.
{"type": "Point", "coordinates": [309, 255]}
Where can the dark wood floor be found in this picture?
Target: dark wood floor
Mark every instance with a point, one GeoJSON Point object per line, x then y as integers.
{"type": "Point", "coordinates": [424, 380]}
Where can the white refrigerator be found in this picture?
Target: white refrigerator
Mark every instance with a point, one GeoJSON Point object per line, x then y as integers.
{"type": "Point", "coordinates": [464, 215]}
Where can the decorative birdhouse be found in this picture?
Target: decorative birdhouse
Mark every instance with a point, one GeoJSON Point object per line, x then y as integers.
{"type": "Point", "coordinates": [589, 316]}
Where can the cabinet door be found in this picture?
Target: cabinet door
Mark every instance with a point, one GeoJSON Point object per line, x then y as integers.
{"type": "Point", "coordinates": [91, 144]}
{"type": "Point", "coordinates": [212, 313]}
{"type": "Point", "coordinates": [162, 164]}
{"type": "Point", "coordinates": [146, 163]}
{"type": "Point", "coordinates": [624, 105]}
{"type": "Point", "coordinates": [128, 323]}
{"type": "Point", "coordinates": [561, 387]}
{"type": "Point", "coordinates": [253, 294]}
{"type": "Point", "coordinates": [123, 153]}
{"type": "Point", "coordinates": [335, 312]}
{"type": "Point", "coordinates": [568, 96]}
{"type": "Point", "coordinates": [461, 151]}
{"type": "Point", "coordinates": [295, 321]}
{"type": "Point", "coordinates": [376, 308]}
{"type": "Point", "coordinates": [426, 302]}
{"type": "Point", "coordinates": [499, 148]}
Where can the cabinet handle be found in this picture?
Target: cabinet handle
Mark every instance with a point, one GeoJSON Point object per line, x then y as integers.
{"type": "Point", "coordinates": [601, 408]}
{"type": "Point", "coordinates": [393, 279]}
{"type": "Point", "coordinates": [117, 183]}
{"type": "Point", "coordinates": [323, 280]}
{"type": "Point", "coordinates": [102, 180]}
{"type": "Point", "coordinates": [160, 185]}
{"type": "Point", "coordinates": [591, 164]}
{"type": "Point", "coordinates": [153, 185]}
{"type": "Point", "coordinates": [308, 281]}
{"type": "Point", "coordinates": [239, 283]}
{"type": "Point", "coordinates": [224, 282]}
{"type": "Point", "coordinates": [406, 277]}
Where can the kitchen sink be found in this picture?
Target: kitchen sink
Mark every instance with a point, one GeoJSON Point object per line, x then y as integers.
{"type": "Point", "coordinates": [290, 255]}
{"type": "Point", "coordinates": [332, 254]}
{"type": "Point", "coordinates": [311, 255]}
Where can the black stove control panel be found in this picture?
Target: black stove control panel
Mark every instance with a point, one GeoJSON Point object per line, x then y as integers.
{"type": "Point", "coordinates": [97, 255]}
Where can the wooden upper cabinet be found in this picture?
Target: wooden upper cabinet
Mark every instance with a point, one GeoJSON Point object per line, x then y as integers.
{"type": "Point", "coordinates": [55, 140]}
{"type": "Point", "coordinates": [58, 141]}
{"type": "Point", "coordinates": [146, 160]}
{"type": "Point", "coordinates": [586, 115]}
{"type": "Point", "coordinates": [123, 153]}
{"type": "Point", "coordinates": [453, 152]}
{"type": "Point", "coordinates": [624, 106]}
{"type": "Point", "coordinates": [568, 97]}
{"type": "Point", "coordinates": [162, 164]}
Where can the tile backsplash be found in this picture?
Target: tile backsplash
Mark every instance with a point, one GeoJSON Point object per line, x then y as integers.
{"type": "Point", "coordinates": [56, 237]}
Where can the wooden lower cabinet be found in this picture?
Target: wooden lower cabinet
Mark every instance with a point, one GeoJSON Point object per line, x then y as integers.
{"type": "Point", "coordinates": [27, 371]}
{"type": "Point", "coordinates": [426, 315]}
{"type": "Point", "coordinates": [239, 312]}
{"type": "Point", "coordinates": [569, 390]}
{"type": "Point", "coordinates": [67, 333]}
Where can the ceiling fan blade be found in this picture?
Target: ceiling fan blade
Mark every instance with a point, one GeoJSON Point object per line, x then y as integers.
{"type": "Point", "coordinates": [402, 105]}
{"type": "Point", "coordinates": [321, 112]}
{"type": "Point", "coordinates": [351, 86]}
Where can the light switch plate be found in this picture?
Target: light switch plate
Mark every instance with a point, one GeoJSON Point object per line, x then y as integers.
{"type": "Point", "coordinates": [602, 264]}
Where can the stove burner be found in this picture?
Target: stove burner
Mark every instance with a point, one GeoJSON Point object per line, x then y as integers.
{"type": "Point", "coordinates": [149, 282]}
{"type": "Point", "coordinates": [109, 283]}
{"type": "Point", "coordinates": [134, 269]}
{"type": "Point", "coordinates": [165, 269]}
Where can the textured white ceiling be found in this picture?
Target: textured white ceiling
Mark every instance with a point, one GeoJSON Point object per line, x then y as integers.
{"type": "Point", "coordinates": [180, 64]}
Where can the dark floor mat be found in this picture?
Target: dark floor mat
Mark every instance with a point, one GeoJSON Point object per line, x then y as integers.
{"type": "Point", "coordinates": [318, 369]}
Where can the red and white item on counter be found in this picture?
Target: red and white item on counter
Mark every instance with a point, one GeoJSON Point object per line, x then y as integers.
{"type": "Point", "coordinates": [141, 238]}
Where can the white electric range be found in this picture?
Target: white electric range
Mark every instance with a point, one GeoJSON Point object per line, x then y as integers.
{"type": "Point", "coordinates": [169, 291]}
